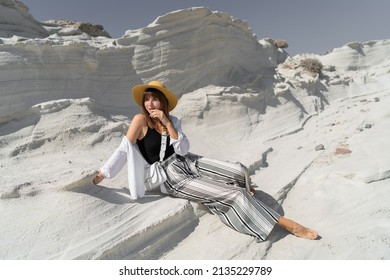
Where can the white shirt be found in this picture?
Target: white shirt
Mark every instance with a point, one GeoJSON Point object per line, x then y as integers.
{"type": "Point", "coordinates": [136, 164]}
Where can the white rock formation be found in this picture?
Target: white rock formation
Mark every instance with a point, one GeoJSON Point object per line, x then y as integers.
{"type": "Point", "coordinates": [15, 20]}
{"type": "Point", "coordinates": [65, 102]}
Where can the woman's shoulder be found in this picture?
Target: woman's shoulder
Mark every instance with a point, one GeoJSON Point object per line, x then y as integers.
{"type": "Point", "coordinates": [139, 119]}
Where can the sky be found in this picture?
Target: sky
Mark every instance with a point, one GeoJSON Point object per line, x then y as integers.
{"type": "Point", "coordinates": [309, 26]}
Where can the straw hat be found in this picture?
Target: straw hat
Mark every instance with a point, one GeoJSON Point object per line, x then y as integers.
{"type": "Point", "coordinates": [139, 90]}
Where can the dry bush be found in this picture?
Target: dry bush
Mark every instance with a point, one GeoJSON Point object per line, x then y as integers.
{"type": "Point", "coordinates": [282, 44]}
{"type": "Point", "coordinates": [312, 65]}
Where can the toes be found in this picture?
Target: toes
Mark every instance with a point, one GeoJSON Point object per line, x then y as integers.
{"type": "Point", "coordinates": [312, 234]}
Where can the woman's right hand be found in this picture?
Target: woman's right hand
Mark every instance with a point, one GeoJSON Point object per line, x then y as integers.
{"type": "Point", "coordinates": [159, 116]}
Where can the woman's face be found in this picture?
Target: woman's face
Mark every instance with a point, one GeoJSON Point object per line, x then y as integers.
{"type": "Point", "coordinates": [151, 103]}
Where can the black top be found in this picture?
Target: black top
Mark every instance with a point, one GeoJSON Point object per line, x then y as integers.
{"type": "Point", "coordinates": [150, 146]}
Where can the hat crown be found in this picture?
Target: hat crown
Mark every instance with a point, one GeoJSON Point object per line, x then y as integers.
{"type": "Point", "coordinates": [156, 84]}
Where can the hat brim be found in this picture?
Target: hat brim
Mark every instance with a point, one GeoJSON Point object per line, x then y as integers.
{"type": "Point", "coordinates": [138, 92]}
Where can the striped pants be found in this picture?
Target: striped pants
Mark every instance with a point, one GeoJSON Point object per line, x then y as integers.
{"type": "Point", "coordinates": [221, 186]}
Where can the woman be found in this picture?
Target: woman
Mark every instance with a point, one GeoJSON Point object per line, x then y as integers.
{"type": "Point", "coordinates": [216, 184]}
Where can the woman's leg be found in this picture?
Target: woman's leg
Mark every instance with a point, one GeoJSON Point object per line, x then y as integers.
{"type": "Point", "coordinates": [233, 172]}
{"type": "Point", "coordinates": [297, 229]}
{"type": "Point", "coordinates": [232, 204]}
{"type": "Point", "coordinates": [224, 170]}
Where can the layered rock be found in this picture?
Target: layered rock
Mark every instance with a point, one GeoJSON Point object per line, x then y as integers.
{"type": "Point", "coordinates": [186, 49]}
{"type": "Point", "coordinates": [193, 48]}
{"type": "Point", "coordinates": [15, 20]}
{"type": "Point", "coordinates": [241, 100]}
{"type": "Point", "coordinates": [67, 27]}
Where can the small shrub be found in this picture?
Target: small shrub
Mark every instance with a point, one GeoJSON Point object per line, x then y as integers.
{"type": "Point", "coordinates": [281, 44]}
{"type": "Point", "coordinates": [312, 65]}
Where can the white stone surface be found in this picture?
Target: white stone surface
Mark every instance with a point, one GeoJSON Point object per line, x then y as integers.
{"type": "Point", "coordinates": [65, 103]}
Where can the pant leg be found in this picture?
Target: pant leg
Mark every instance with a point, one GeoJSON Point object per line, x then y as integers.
{"type": "Point", "coordinates": [233, 172]}
{"type": "Point", "coordinates": [232, 204]}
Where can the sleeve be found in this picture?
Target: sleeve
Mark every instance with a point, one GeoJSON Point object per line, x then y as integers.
{"type": "Point", "coordinates": [135, 170]}
{"type": "Point", "coordinates": [182, 144]}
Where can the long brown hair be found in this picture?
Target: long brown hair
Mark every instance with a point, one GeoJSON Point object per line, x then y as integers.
{"type": "Point", "coordinates": [154, 93]}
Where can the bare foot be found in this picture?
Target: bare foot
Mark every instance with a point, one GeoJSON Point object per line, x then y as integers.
{"type": "Point", "coordinates": [297, 229]}
{"type": "Point", "coordinates": [305, 232]}
{"type": "Point", "coordinates": [252, 191]}
{"type": "Point", "coordinates": [98, 178]}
